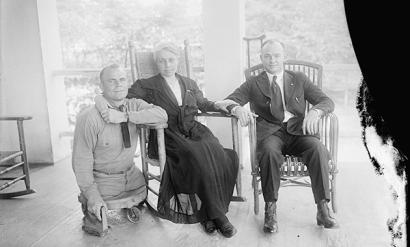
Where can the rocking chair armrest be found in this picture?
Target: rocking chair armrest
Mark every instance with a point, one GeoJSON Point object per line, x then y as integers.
{"type": "Point", "coordinates": [15, 118]}
{"type": "Point", "coordinates": [153, 125]}
{"type": "Point", "coordinates": [329, 133]}
{"type": "Point", "coordinates": [215, 114]}
{"type": "Point", "coordinates": [260, 37]}
{"type": "Point", "coordinates": [160, 135]}
{"type": "Point", "coordinates": [252, 145]}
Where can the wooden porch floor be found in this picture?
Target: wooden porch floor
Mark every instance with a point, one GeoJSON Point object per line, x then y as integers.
{"type": "Point", "coordinates": [52, 216]}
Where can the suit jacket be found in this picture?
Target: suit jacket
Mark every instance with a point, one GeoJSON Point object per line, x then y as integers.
{"type": "Point", "coordinates": [297, 90]}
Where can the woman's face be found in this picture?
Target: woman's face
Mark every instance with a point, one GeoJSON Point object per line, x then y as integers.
{"type": "Point", "coordinates": [167, 63]}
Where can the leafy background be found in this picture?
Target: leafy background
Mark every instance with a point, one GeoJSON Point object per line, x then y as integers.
{"type": "Point", "coordinates": [94, 33]}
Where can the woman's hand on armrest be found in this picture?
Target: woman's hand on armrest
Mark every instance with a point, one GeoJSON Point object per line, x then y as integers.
{"type": "Point", "coordinates": [223, 104]}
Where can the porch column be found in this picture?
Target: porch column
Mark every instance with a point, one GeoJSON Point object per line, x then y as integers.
{"type": "Point", "coordinates": [30, 51]}
{"type": "Point", "coordinates": [224, 29]}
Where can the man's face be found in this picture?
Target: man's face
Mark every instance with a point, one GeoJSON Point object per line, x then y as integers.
{"type": "Point", "coordinates": [114, 84]}
{"type": "Point", "coordinates": [272, 57]}
{"type": "Point", "coordinates": [167, 63]}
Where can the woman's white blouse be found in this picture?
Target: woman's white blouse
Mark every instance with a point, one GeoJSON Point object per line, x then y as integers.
{"type": "Point", "coordinates": [175, 88]}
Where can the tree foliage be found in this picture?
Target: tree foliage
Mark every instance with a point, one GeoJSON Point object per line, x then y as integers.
{"type": "Point", "coordinates": [313, 30]}
{"type": "Point", "coordinates": [95, 32]}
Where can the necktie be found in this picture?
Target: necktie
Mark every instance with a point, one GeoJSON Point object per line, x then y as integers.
{"type": "Point", "coordinates": [125, 131]}
{"type": "Point", "coordinates": [277, 109]}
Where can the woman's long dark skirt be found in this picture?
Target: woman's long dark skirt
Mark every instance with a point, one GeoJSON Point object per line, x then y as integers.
{"type": "Point", "coordinates": [199, 177]}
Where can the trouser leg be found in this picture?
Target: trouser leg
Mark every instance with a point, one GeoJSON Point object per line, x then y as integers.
{"type": "Point", "coordinates": [316, 157]}
{"type": "Point", "coordinates": [270, 160]}
{"type": "Point", "coordinates": [134, 180]}
{"type": "Point", "coordinates": [113, 185]}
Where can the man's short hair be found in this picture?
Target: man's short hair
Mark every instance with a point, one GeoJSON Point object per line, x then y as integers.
{"type": "Point", "coordinates": [109, 67]}
{"type": "Point", "coordinates": [168, 46]}
{"type": "Point", "coordinates": [270, 42]}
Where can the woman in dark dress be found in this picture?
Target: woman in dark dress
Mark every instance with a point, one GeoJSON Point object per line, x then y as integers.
{"type": "Point", "coordinates": [200, 174]}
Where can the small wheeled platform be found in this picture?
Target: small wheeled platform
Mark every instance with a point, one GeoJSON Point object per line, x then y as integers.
{"type": "Point", "coordinates": [128, 201]}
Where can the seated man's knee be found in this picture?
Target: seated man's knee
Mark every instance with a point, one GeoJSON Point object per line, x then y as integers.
{"type": "Point", "coordinates": [316, 145]}
{"type": "Point", "coordinates": [269, 149]}
{"type": "Point", "coordinates": [316, 149]}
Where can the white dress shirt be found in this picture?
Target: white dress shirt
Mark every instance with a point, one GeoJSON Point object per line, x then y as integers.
{"type": "Point", "coordinates": [279, 81]}
{"type": "Point", "coordinates": [175, 88]}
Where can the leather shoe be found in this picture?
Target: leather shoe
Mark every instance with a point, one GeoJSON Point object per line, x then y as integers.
{"type": "Point", "coordinates": [323, 217]}
{"type": "Point", "coordinates": [209, 226]}
{"type": "Point", "coordinates": [271, 224]}
{"type": "Point", "coordinates": [225, 227]}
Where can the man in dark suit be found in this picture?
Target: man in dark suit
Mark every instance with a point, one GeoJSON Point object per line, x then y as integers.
{"type": "Point", "coordinates": [277, 97]}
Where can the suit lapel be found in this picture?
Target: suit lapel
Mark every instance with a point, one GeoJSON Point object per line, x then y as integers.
{"type": "Point", "coordinates": [288, 86]}
{"type": "Point", "coordinates": [264, 85]}
{"type": "Point", "coordinates": [162, 87]}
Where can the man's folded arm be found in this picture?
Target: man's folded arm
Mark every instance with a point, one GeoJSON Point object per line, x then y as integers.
{"type": "Point", "coordinates": [139, 111]}
{"type": "Point", "coordinates": [146, 113]}
{"type": "Point", "coordinates": [203, 103]}
{"type": "Point", "coordinates": [240, 95]}
{"type": "Point", "coordinates": [238, 98]}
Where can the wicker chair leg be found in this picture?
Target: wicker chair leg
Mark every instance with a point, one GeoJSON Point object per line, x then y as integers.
{"type": "Point", "coordinates": [255, 185]}
{"type": "Point", "coordinates": [333, 194]}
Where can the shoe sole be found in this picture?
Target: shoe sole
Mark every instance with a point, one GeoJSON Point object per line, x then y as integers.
{"type": "Point", "coordinates": [211, 233]}
{"type": "Point", "coordinates": [268, 230]}
{"type": "Point", "coordinates": [228, 236]}
{"type": "Point", "coordinates": [319, 223]}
